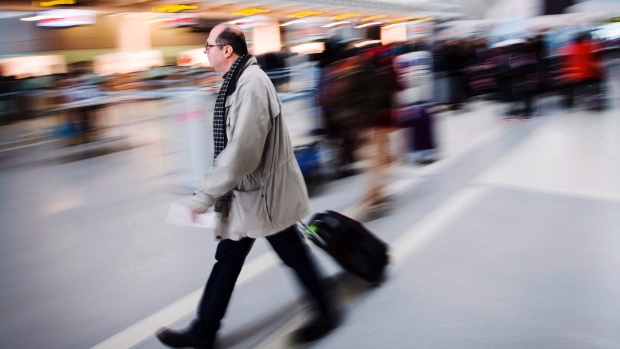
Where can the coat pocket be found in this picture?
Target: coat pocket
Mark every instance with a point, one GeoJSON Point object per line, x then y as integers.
{"type": "Point", "coordinates": [249, 212]}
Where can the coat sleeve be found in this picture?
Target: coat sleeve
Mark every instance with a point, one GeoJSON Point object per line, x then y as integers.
{"type": "Point", "coordinates": [244, 150]}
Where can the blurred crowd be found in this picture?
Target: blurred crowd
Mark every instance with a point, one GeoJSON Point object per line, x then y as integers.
{"type": "Point", "coordinates": [517, 71]}
{"type": "Point", "coordinates": [367, 92]}
{"type": "Point", "coordinates": [363, 91]}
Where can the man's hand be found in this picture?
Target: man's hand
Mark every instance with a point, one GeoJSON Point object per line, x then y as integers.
{"type": "Point", "coordinates": [194, 216]}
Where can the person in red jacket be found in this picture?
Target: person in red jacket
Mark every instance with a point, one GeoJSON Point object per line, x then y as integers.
{"type": "Point", "coordinates": [581, 66]}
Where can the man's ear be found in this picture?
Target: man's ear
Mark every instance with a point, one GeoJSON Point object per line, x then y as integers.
{"type": "Point", "coordinates": [228, 51]}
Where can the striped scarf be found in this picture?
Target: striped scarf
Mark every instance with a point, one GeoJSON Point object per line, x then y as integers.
{"type": "Point", "coordinates": [220, 140]}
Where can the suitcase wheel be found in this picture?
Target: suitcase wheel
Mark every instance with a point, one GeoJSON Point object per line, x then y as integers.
{"type": "Point", "coordinates": [382, 278]}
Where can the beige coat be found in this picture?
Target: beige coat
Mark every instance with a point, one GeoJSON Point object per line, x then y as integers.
{"type": "Point", "coordinates": [258, 163]}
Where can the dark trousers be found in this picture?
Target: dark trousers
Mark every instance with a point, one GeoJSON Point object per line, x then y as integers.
{"type": "Point", "coordinates": [592, 88]}
{"type": "Point", "coordinates": [290, 246]}
{"type": "Point", "coordinates": [569, 90]}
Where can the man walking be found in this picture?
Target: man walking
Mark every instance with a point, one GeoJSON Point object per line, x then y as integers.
{"type": "Point", "coordinates": [257, 189]}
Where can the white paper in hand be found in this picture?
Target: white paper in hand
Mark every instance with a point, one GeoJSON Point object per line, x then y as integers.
{"type": "Point", "coordinates": [179, 214]}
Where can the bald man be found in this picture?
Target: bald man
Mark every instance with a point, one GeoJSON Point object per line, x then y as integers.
{"type": "Point", "coordinates": [257, 189]}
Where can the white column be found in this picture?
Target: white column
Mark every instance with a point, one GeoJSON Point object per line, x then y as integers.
{"type": "Point", "coordinates": [395, 33]}
{"type": "Point", "coordinates": [133, 34]}
{"type": "Point", "coordinates": [266, 38]}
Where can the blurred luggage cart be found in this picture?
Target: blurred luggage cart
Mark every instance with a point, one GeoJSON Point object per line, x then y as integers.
{"type": "Point", "coordinates": [316, 157]}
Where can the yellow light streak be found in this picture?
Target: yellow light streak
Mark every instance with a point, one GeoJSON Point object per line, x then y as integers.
{"type": "Point", "coordinates": [372, 18]}
{"type": "Point", "coordinates": [345, 16]}
{"type": "Point", "coordinates": [401, 19]}
{"type": "Point", "coordinates": [53, 3]}
{"type": "Point", "coordinates": [369, 24]}
{"type": "Point", "coordinates": [335, 24]}
{"type": "Point", "coordinates": [304, 14]}
{"type": "Point", "coordinates": [174, 8]}
{"type": "Point", "coordinates": [249, 11]}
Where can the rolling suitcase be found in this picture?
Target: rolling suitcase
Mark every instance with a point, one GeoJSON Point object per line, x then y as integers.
{"type": "Point", "coordinates": [355, 248]}
{"type": "Point", "coordinates": [421, 143]}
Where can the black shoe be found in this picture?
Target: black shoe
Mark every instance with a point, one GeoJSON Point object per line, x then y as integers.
{"type": "Point", "coordinates": [182, 339]}
{"type": "Point", "coordinates": [314, 329]}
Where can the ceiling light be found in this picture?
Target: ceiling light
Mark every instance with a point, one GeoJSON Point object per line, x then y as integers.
{"type": "Point", "coordinates": [249, 11]}
{"type": "Point", "coordinates": [395, 24]}
{"type": "Point", "coordinates": [155, 20]}
{"type": "Point", "coordinates": [292, 22]}
{"type": "Point", "coordinates": [372, 18]}
{"type": "Point", "coordinates": [335, 24]}
{"type": "Point", "coordinates": [369, 24]}
{"type": "Point", "coordinates": [423, 20]}
{"type": "Point", "coordinates": [31, 19]}
{"type": "Point", "coordinates": [303, 14]}
{"type": "Point", "coordinates": [401, 19]}
{"type": "Point", "coordinates": [174, 8]}
{"type": "Point", "coordinates": [53, 3]}
{"type": "Point", "coordinates": [367, 42]}
{"type": "Point", "coordinates": [345, 16]}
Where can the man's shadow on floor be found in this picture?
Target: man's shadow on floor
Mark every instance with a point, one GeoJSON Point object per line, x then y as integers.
{"type": "Point", "coordinates": [343, 286]}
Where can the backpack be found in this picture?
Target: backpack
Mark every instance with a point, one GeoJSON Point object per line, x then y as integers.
{"type": "Point", "coordinates": [342, 90]}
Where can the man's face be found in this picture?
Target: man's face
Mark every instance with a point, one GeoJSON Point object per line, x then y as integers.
{"type": "Point", "coordinates": [215, 53]}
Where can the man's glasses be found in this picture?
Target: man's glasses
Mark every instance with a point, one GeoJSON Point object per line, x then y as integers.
{"type": "Point", "coordinates": [208, 46]}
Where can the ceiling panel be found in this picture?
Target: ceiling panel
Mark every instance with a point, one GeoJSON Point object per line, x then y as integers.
{"type": "Point", "coordinates": [440, 8]}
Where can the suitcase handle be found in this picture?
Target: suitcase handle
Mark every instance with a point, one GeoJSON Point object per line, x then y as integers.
{"type": "Point", "coordinates": [311, 235]}
{"type": "Point", "coordinates": [343, 217]}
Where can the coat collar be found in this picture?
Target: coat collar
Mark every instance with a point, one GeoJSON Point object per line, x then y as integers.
{"type": "Point", "coordinates": [233, 83]}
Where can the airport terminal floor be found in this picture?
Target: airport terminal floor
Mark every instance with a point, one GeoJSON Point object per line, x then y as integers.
{"type": "Point", "coordinates": [510, 240]}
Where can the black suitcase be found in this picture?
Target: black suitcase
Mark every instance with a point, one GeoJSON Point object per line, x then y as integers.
{"type": "Point", "coordinates": [418, 119]}
{"type": "Point", "coordinates": [423, 131]}
{"type": "Point", "coordinates": [355, 248]}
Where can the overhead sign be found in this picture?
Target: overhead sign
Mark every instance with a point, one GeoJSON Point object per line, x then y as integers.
{"type": "Point", "coordinates": [304, 14]}
{"type": "Point", "coordinates": [65, 18]}
{"type": "Point", "coordinates": [345, 16]}
{"type": "Point", "coordinates": [193, 58]}
{"type": "Point", "coordinates": [373, 18]}
{"type": "Point", "coordinates": [250, 22]}
{"type": "Point", "coordinates": [53, 3]}
{"type": "Point", "coordinates": [249, 11]}
{"type": "Point", "coordinates": [178, 20]}
{"type": "Point", "coordinates": [174, 8]}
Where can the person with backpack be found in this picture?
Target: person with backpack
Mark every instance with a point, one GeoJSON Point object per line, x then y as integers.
{"type": "Point", "coordinates": [381, 86]}
{"type": "Point", "coordinates": [342, 95]}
